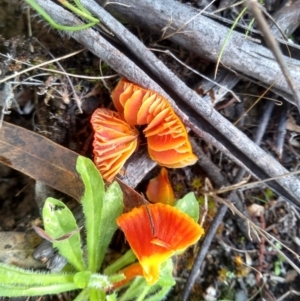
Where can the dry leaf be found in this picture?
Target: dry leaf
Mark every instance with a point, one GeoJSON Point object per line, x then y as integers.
{"type": "Point", "coordinates": [49, 163]}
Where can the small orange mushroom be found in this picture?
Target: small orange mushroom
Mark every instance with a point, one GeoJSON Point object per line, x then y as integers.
{"type": "Point", "coordinates": [157, 232]}
{"type": "Point", "coordinates": [167, 138]}
{"type": "Point", "coordinates": [114, 141]}
{"type": "Point", "coordinates": [130, 272]}
{"type": "Point", "coordinates": [159, 189]}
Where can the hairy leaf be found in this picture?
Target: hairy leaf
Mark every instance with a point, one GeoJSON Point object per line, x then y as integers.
{"type": "Point", "coordinates": [92, 203]}
{"type": "Point", "coordinates": [58, 222]}
{"type": "Point", "coordinates": [112, 209]}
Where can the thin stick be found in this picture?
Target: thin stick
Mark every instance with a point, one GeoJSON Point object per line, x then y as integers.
{"type": "Point", "coordinates": [150, 219]}
{"type": "Point", "coordinates": [168, 52]}
{"type": "Point", "coordinates": [253, 105]}
{"type": "Point", "coordinates": [253, 184]}
{"type": "Point", "coordinates": [64, 73]}
{"type": "Point", "coordinates": [210, 235]}
{"type": "Point", "coordinates": [40, 65]}
{"type": "Point", "coordinates": [163, 37]}
{"type": "Point", "coordinates": [77, 100]}
{"type": "Point", "coordinates": [29, 29]}
{"type": "Point", "coordinates": [274, 47]}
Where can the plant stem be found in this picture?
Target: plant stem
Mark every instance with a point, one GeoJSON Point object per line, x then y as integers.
{"type": "Point", "coordinates": [79, 12]}
{"type": "Point", "coordinates": [120, 263]}
{"type": "Point", "coordinates": [144, 293]}
{"type": "Point", "coordinates": [227, 38]}
{"type": "Point", "coordinates": [40, 10]}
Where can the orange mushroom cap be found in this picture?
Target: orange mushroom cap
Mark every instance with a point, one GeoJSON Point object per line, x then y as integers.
{"type": "Point", "coordinates": [155, 233]}
{"type": "Point", "coordinates": [159, 189]}
{"type": "Point", "coordinates": [114, 141]}
{"type": "Point", "coordinates": [165, 132]}
{"type": "Point", "coordinates": [172, 158]}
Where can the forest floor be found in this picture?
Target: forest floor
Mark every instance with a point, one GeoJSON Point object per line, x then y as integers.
{"type": "Point", "coordinates": [239, 264]}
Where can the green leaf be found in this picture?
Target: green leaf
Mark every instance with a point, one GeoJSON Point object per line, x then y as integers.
{"type": "Point", "coordinates": [83, 295]}
{"type": "Point", "coordinates": [81, 279]}
{"type": "Point", "coordinates": [112, 297]}
{"type": "Point", "coordinates": [112, 209]}
{"type": "Point", "coordinates": [10, 274]}
{"type": "Point", "coordinates": [135, 288]}
{"type": "Point", "coordinates": [166, 274]}
{"type": "Point", "coordinates": [96, 295]}
{"type": "Point", "coordinates": [189, 205]}
{"type": "Point", "coordinates": [35, 291]}
{"type": "Point", "coordinates": [59, 222]}
{"type": "Point", "coordinates": [92, 203]}
{"type": "Point", "coordinates": [227, 38]}
{"type": "Point", "coordinates": [125, 260]}
{"type": "Point", "coordinates": [277, 268]}
{"type": "Point", "coordinates": [159, 295]}
{"type": "Point", "coordinates": [83, 13]}
{"type": "Point", "coordinates": [116, 278]}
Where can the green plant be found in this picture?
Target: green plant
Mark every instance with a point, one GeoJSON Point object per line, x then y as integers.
{"type": "Point", "coordinates": [243, 11]}
{"type": "Point", "coordinates": [101, 209]}
{"type": "Point", "coordinates": [78, 9]}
